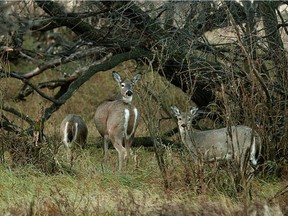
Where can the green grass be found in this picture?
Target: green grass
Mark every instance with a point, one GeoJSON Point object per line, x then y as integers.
{"type": "Point", "coordinates": [89, 190]}
{"type": "Point", "coordinates": [93, 188]}
{"type": "Point", "coordinates": [93, 192]}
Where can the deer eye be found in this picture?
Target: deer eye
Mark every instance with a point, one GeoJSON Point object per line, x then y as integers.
{"type": "Point", "coordinates": [122, 85]}
{"type": "Point", "coordinates": [179, 118]}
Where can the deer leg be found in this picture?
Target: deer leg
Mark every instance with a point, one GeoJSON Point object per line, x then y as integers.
{"type": "Point", "coordinates": [122, 153]}
{"type": "Point", "coordinates": [128, 144]}
{"type": "Point", "coordinates": [105, 147]}
{"type": "Point", "coordinates": [70, 156]}
{"type": "Point", "coordinates": [73, 156]}
{"type": "Point", "coordinates": [105, 152]}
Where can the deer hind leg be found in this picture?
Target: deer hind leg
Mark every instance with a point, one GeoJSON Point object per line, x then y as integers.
{"type": "Point", "coordinates": [249, 163]}
{"type": "Point", "coordinates": [105, 152]}
{"type": "Point", "coordinates": [70, 156]}
{"type": "Point", "coordinates": [250, 160]}
{"type": "Point", "coordinates": [105, 147]}
{"type": "Point", "coordinates": [128, 143]}
{"type": "Point", "coordinates": [253, 160]}
{"type": "Point", "coordinates": [122, 152]}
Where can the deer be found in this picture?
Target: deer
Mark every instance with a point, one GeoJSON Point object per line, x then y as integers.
{"type": "Point", "coordinates": [74, 134]}
{"type": "Point", "coordinates": [117, 119]}
{"type": "Point", "coordinates": [238, 142]}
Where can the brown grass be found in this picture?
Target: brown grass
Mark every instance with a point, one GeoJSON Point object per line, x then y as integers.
{"type": "Point", "coordinates": [39, 181]}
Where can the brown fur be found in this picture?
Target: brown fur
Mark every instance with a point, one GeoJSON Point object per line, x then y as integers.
{"type": "Point", "coordinates": [73, 139]}
{"type": "Point", "coordinates": [110, 119]}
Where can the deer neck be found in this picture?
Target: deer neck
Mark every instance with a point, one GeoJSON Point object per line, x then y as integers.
{"type": "Point", "coordinates": [124, 98]}
{"type": "Point", "coordinates": [187, 136]}
{"type": "Point", "coordinates": [128, 99]}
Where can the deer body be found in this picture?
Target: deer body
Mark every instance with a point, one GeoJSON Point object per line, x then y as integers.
{"type": "Point", "coordinates": [117, 120]}
{"type": "Point", "coordinates": [220, 144]}
{"type": "Point", "coordinates": [74, 131]}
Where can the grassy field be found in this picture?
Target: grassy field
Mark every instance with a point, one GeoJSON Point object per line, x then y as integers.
{"type": "Point", "coordinates": [90, 187]}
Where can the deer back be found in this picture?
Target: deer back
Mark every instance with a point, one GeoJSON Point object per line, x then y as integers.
{"type": "Point", "coordinates": [75, 129]}
{"type": "Point", "coordinates": [222, 142]}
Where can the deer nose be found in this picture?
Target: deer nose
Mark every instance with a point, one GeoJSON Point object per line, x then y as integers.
{"type": "Point", "coordinates": [183, 125]}
{"type": "Point", "coordinates": [129, 93]}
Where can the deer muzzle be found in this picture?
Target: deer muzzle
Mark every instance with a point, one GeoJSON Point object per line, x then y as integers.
{"type": "Point", "coordinates": [129, 93]}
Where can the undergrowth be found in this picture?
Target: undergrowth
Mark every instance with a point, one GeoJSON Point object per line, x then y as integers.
{"type": "Point", "coordinates": [36, 179]}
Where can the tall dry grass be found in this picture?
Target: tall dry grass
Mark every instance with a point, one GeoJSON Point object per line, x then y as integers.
{"type": "Point", "coordinates": [38, 180]}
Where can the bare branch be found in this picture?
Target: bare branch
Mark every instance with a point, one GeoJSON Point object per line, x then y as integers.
{"type": "Point", "coordinates": [16, 113]}
{"type": "Point", "coordinates": [8, 126]}
{"type": "Point", "coordinates": [24, 80]}
{"type": "Point", "coordinates": [56, 62]}
{"type": "Point", "coordinates": [63, 82]}
{"type": "Point", "coordinates": [77, 25]}
{"type": "Point", "coordinates": [250, 60]}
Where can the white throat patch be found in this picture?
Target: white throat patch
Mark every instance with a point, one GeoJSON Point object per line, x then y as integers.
{"type": "Point", "coordinates": [128, 99]}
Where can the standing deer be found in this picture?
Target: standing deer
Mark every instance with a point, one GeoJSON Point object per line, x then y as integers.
{"type": "Point", "coordinates": [74, 132]}
{"type": "Point", "coordinates": [240, 142]}
{"type": "Point", "coordinates": [117, 120]}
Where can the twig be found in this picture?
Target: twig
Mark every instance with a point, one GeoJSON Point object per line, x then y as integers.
{"type": "Point", "coordinates": [249, 59]}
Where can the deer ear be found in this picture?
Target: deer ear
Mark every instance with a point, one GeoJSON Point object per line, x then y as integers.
{"type": "Point", "coordinates": [116, 77]}
{"type": "Point", "coordinates": [194, 111]}
{"type": "Point", "coordinates": [175, 110]}
{"type": "Point", "coordinates": [137, 77]}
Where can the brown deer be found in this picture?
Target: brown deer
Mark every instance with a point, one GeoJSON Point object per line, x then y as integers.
{"type": "Point", "coordinates": [117, 120]}
{"type": "Point", "coordinates": [74, 132]}
{"type": "Point", "coordinates": [219, 144]}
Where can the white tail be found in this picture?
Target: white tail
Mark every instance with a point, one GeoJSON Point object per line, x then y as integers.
{"type": "Point", "coordinates": [240, 142]}
{"type": "Point", "coordinates": [117, 120]}
{"type": "Point", "coordinates": [74, 132]}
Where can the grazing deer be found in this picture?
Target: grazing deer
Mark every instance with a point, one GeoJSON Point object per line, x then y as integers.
{"type": "Point", "coordinates": [74, 132]}
{"type": "Point", "coordinates": [117, 120]}
{"type": "Point", "coordinates": [240, 142]}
